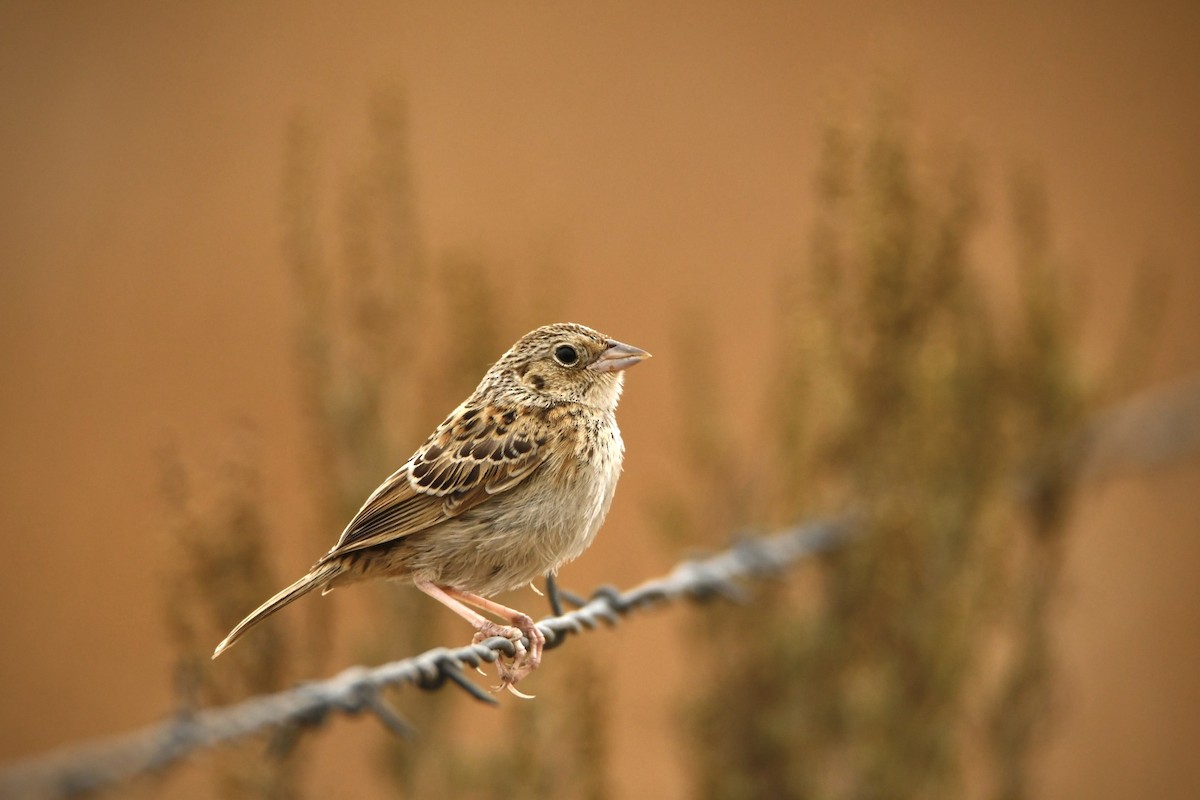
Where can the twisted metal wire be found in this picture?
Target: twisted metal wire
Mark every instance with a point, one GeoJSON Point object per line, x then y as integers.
{"type": "Point", "coordinates": [81, 769]}
{"type": "Point", "coordinates": [1153, 429]}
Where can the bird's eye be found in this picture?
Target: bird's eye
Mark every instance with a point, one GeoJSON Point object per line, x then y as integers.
{"type": "Point", "coordinates": [566, 355]}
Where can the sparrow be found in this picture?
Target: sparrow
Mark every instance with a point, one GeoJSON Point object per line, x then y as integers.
{"type": "Point", "coordinates": [512, 485]}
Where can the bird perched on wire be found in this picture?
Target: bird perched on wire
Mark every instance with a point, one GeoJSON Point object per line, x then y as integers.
{"type": "Point", "coordinates": [514, 484]}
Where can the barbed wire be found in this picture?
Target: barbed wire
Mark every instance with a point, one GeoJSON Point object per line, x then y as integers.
{"type": "Point", "coordinates": [1150, 430]}
{"type": "Point", "coordinates": [82, 769]}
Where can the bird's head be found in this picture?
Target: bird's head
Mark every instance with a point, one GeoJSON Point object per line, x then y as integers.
{"type": "Point", "coordinates": [567, 363]}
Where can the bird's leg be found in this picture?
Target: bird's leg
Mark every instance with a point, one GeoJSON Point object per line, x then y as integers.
{"type": "Point", "coordinates": [485, 628]}
{"type": "Point", "coordinates": [522, 625]}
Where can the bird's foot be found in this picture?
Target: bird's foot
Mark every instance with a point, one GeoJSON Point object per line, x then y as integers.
{"type": "Point", "coordinates": [525, 660]}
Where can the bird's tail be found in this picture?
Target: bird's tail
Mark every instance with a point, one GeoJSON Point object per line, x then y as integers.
{"type": "Point", "coordinates": [318, 577]}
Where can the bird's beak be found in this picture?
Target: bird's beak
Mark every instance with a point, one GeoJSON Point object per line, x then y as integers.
{"type": "Point", "coordinates": [617, 357]}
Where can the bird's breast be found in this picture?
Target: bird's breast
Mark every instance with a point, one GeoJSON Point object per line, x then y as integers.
{"type": "Point", "coordinates": [524, 533]}
{"type": "Point", "coordinates": [579, 489]}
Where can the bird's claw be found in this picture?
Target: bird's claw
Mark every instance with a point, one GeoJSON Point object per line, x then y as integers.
{"type": "Point", "coordinates": [514, 690]}
{"type": "Point", "coordinates": [509, 675]}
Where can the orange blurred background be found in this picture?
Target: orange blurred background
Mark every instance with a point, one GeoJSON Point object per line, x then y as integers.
{"type": "Point", "coordinates": [663, 155]}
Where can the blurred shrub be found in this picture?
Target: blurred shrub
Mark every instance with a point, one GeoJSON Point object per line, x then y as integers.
{"type": "Point", "coordinates": [916, 662]}
{"type": "Point", "coordinates": [221, 549]}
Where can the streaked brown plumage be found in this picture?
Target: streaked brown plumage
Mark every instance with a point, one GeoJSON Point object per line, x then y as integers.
{"type": "Point", "coordinates": [514, 484]}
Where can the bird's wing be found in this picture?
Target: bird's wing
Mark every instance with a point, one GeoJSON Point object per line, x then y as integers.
{"type": "Point", "coordinates": [479, 451]}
